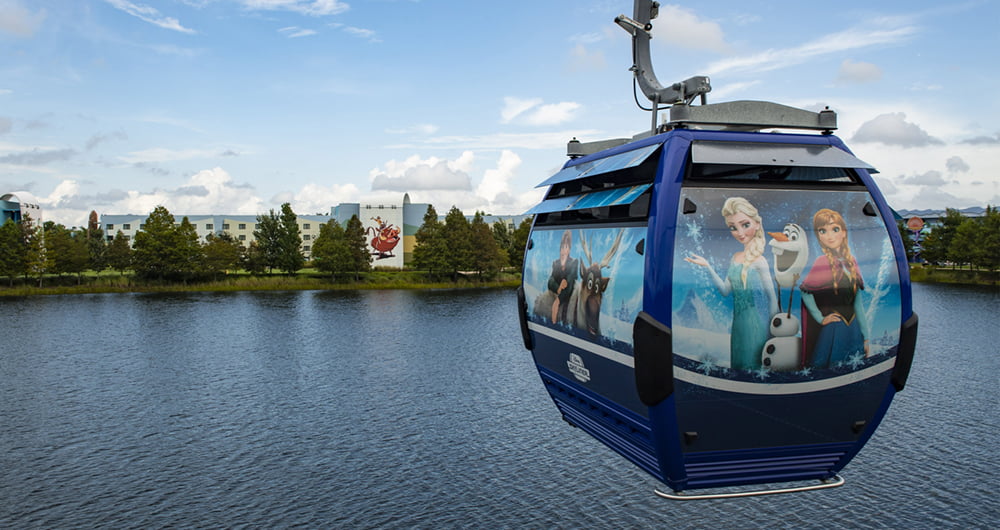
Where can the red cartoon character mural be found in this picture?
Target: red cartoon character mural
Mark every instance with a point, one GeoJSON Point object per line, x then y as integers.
{"type": "Point", "coordinates": [386, 237]}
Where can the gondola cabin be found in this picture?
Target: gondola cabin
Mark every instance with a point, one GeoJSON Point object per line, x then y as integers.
{"type": "Point", "coordinates": [724, 301]}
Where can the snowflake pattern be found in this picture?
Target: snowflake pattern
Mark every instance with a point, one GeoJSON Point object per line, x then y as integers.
{"type": "Point", "coordinates": [707, 366]}
{"type": "Point", "coordinates": [694, 231]}
{"type": "Point", "coordinates": [856, 361]}
{"type": "Point", "coordinates": [762, 373]}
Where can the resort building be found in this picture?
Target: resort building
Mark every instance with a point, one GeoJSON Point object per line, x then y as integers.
{"type": "Point", "coordinates": [17, 205]}
{"type": "Point", "coordinates": [390, 227]}
{"type": "Point", "coordinates": [240, 227]}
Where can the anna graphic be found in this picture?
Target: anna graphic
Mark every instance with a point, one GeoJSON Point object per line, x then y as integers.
{"type": "Point", "coordinates": [749, 281]}
{"type": "Point", "coordinates": [835, 325]}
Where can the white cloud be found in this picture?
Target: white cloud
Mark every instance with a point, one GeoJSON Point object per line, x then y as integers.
{"type": "Point", "coordinates": [17, 20]}
{"type": "Point", "coordinates": [303, 7]}
{"type": "Point", "coordinates": [852, 39]}
{"type": "Point", "coordinates": [681, 27]}
{"type": "Point", "coordinates": [893, 129]}
{"type": "Point", "coordinates": [415, 173]}
{"type": "Point", "coordinates": [514, 107]}
{"type": "Point", "coordinates": [366, 34]}
{"type": "Point", "coordinates": [210, 191]}
{"type": "Point", "coordinates": [545, 140]}
{"type": "Point", "coordinates": [160, 154]}
{"type": "Point", "coordinates": [930, 178]}
{"type": "Point", "coordinates": [858, 72]}
{"type": "Point", "coordinates": [496, 182]}
{"type": "Point", "coordinates": [149, 14]}
{"type": "Point", "coordinates": [314, 198]}
{"type": "Point", "coordinates": [955, 164]}
{"type": "Point", "coordinates": [583, 60]}
{"type": "Point", "coordinates": [293, 32]}
{"type": "Point", "coordinates": [533, 112]}
{"type": "Point", "coordinates": [553, 114]}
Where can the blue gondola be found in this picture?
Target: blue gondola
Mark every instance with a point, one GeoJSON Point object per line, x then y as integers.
{"type": "Point", "coordinates": [721, 305]}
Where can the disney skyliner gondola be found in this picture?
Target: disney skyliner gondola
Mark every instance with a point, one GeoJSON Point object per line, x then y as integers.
{"type": "Point", "coordinates": [721, 303]}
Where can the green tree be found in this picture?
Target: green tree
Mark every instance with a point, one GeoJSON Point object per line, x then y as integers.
{"type": "Point", "coordinates": [504, 238]}
{"type": "Point", "coordinates": [12, 250]}
{"type": "Point", "coordinates": [66, 250]}
{"type": "Point", "coordinates": [431, 249]}
{"type": "Point", "coordinates": [156, 249]}
{"type": "Point", "coordinates": [119, 254]}
{"type": "Point", "coordinates": [290, 257]}
{"type": "Point", "coordinates": [937, 245]}
{"type": "Point", "coordinates": [253, 258]}
{"type": "Point", "coordinates": [96, 246]}
{"type": "Point", "coordinates": [268, 237]}
{"type": "Point", "coordinates": [190, 255]}
{"type": "Point", "coordinates": [357, 246]}
{"type": "Point", "coordinates": [907, 238]}
{"type": "Point", "coordinates": [36, 263]}
{"type": "Point", "coordinates": [990, 241]}
{"type": "Point", "coordinates": [222, 252]}
{"type": "Point", "coordinates": [486, 256]}
{"type": "Point", "coordinates": [330, 251]}
{"type": "Point", "coordinates": [519, 240]}
{"type": "Point", "coordinates": [458, 238]}
{"type": "Point", "coordinates": [963, 249]}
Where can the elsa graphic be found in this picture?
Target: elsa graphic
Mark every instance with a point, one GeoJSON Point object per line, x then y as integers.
{"type": "Point", "coordinates": [835, 323]}
{"type": "Point", "coordinates": [749, 281]}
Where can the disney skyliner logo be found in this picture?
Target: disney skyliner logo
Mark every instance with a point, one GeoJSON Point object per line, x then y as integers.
{"type": "Point", "coordinates": [576, 367]}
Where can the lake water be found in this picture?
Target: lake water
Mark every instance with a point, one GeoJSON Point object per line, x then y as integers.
{"type": "Point", "coordinates": [413, 409]}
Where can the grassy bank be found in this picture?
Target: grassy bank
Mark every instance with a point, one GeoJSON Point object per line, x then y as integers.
{"type": "Point", "coordinates": [303, 281]}
{"type": "Point", "coordinates": [932, 274]}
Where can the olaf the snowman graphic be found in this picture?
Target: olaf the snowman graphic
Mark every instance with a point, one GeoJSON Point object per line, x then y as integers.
{"type": "Point", "coordinates": [791, 253]}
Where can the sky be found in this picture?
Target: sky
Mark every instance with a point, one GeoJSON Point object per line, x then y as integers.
{"type": "Point", "coordinates": [237, 106]}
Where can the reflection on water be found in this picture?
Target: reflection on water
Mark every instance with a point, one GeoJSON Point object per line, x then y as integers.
{"type": "Point", "coordinates": [410, 409]}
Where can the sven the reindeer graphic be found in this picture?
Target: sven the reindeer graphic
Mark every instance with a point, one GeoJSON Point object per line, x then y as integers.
{"type": "Point", "coordinates": [585, 304]}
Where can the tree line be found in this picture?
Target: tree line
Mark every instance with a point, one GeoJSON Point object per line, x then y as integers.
{"type": "Point", "coordinates": [961, 241]}
{"type": "Point", "coordinates": [167, 251]}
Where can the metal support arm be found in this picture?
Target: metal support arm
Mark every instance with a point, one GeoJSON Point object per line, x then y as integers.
{"type": "Point", "coordinates": [683, 92]}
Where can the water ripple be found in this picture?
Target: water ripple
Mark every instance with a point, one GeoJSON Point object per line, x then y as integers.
{"type": "Point", "coordinates": [400, 409]}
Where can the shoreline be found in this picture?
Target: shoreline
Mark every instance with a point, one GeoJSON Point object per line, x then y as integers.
{"type": "Point", "coordinates": [380, 280]}
{"type": "Point", "coordinates": [102, 284]}
{"type": "Point", "coordinates": [924, 274]}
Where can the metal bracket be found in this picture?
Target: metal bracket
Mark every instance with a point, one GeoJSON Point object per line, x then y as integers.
{"type": "Point", "coordinates": [752, 115]}
{"type": "Point", "coordinates": [834, 482]}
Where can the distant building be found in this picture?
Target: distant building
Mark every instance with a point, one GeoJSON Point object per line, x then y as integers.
{"type": "Point", "coordinates": [920, 222]}
{"type": "Point", "coordinates": [20, 204]}
{"type": "Point", "coordinates": [240, 227]}
{"type": "Point", "coordinates": [389, 223]}
{"type": "Point", "coordinates": [390, 227]}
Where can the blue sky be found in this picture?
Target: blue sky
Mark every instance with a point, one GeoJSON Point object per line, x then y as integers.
{"type": "Point", "coordinates": [236, 106]}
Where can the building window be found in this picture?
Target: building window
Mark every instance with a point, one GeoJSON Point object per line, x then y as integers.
{"type": "Point", "coordinates": [142, 226]}
{"type": "Point", "coordinates": [305, 237]}
{"type": "Point", "coordinates": [242, 226]}
{"type": "Point", "coordinates": [127, 238]}
{"type": "Point", "coordinates": [111, 227]}
{"type": "Point", "coordinates": [306, 226]}
{"type": "Point", "coordinates": [126, 226]}
{"type": "Point", "coordinates": [225, 226]}
{"type": "Point", "coordinates": [208, 226]}
{"type": "Point", "coordinates": [243, 237]}
{"type": "Point", "coordinates": [306, 248]}
{"type": "Point", "coordinates": [111, 238]}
